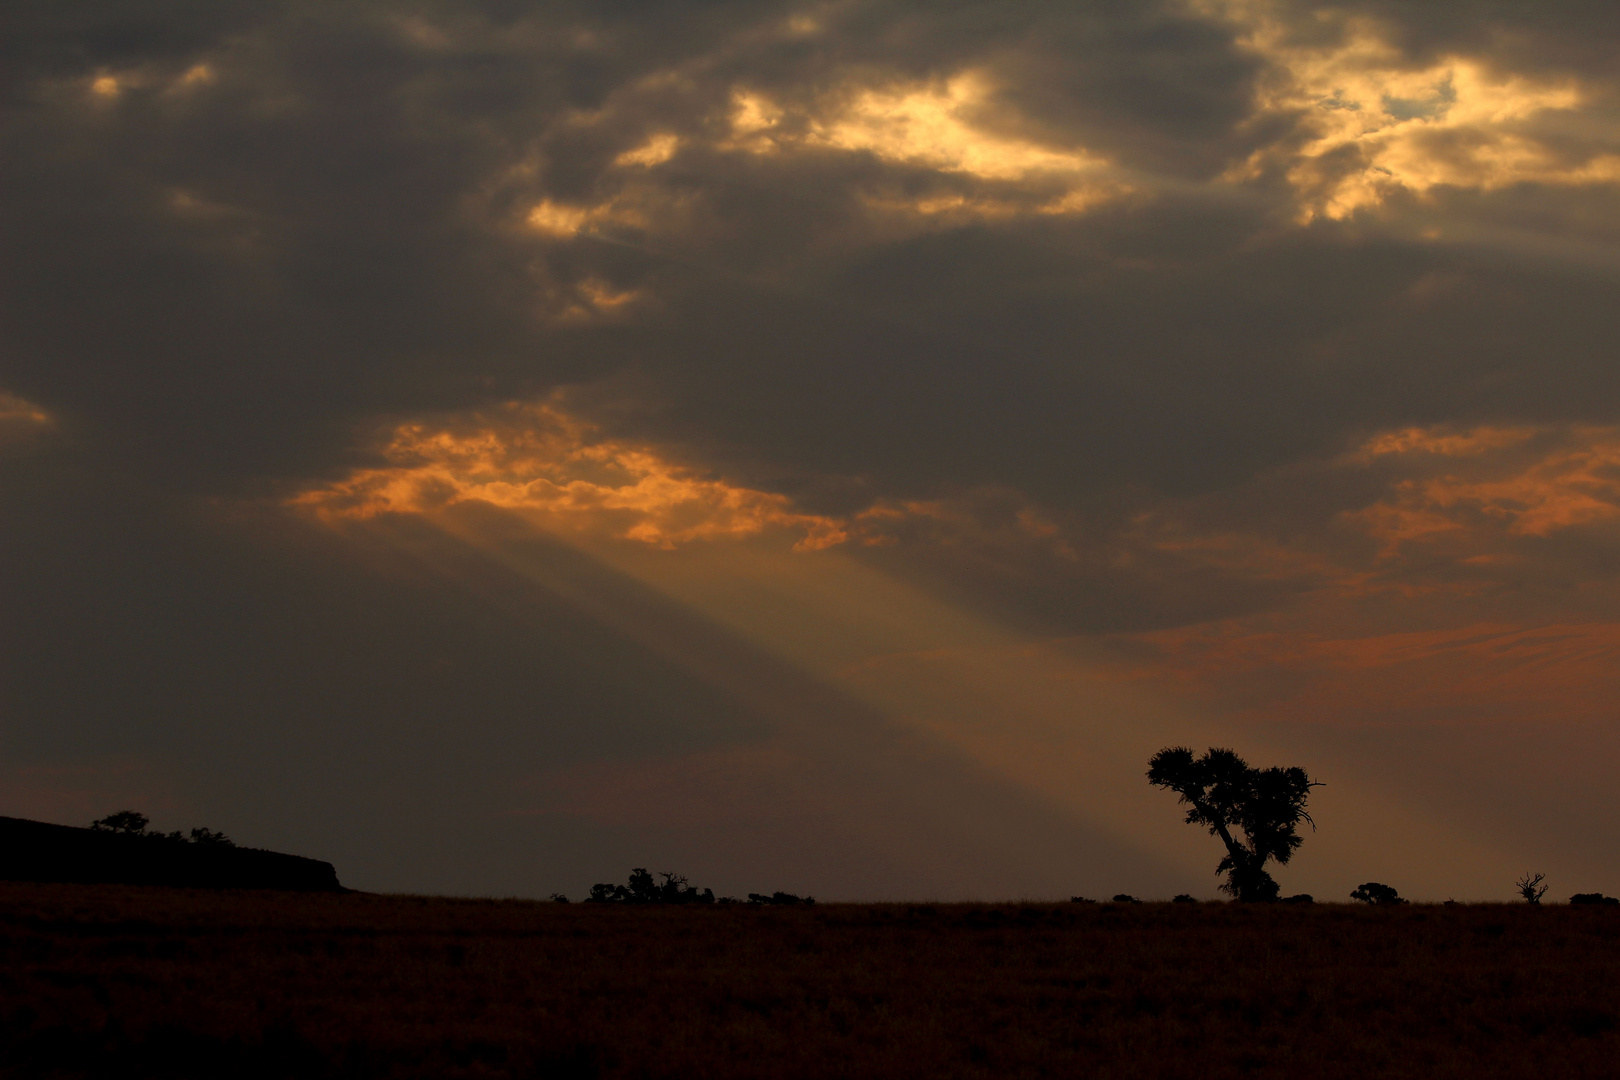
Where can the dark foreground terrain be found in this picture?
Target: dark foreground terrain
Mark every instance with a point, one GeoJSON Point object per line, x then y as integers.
{"type": "Point", "coordinates": [39, 851]}
{"type": "Point", "coordinates": [147, 982]}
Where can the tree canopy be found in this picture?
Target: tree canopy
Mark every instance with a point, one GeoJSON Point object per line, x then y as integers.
{"type": "Point", "coordinates": [1224, 793]}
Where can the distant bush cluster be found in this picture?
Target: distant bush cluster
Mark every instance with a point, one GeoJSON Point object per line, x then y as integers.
{"type": "Point", "coordinates": [642, 889]}
{"type": "Point", "coordinates": [673, 889]}
{"type": "Point", "coordinates": [134, 823]}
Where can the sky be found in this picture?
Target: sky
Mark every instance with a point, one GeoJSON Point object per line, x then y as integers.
{"type": "Point", "coordinates": [825, 447]}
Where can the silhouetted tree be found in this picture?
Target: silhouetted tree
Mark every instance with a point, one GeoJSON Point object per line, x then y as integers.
{"type": "Point", "coordinates": [209, 836]}
{"type": "Point", "coordinates": [131, 822]}
{"type": "Point", "coordinates": [1224, 793]}
{"type": "Point", "coordinates": [1371, 892]}
{"type": "Point", "coordinates": [1531, 888]}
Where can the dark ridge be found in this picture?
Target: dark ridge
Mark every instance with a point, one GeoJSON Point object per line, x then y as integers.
{"type": "Point", "coordinates": [37, 851]}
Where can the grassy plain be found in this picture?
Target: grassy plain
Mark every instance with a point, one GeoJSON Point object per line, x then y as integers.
{"type": "Point", "coordinates": [151, 982]}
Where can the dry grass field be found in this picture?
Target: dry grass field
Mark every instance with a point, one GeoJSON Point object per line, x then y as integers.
{"type": "Point", "coordinates": [150, 982]}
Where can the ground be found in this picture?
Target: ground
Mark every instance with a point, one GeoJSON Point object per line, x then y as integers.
{"type": "Point", "coordinates": [149, 982]}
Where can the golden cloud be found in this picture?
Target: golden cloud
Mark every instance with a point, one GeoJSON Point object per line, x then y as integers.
{"type": "Point", "coordinates": [934, 126]}
{"type": "Point", "coordinates": [942, 126]}
{"type": "Point", "coordinates": [563, 219]}
{"type": "Point", "coordinates": [1377, 124]}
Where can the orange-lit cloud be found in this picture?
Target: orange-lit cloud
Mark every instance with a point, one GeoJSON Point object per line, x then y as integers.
{"type": "Point", "coordinates": [1495, 490]}
{"type": "Point", "coordinates": [538, 459]}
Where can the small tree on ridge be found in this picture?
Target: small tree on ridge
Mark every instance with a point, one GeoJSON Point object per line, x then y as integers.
{"type": "Point", "coordinates": [1224, 793]}
{"type": "Point", "coordinates": [130, 822]}
{"type": "Point", "coordinates": [1531, 888]}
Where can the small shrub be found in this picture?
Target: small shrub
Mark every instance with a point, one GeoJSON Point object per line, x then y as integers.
{"type": "Point", "coordinates": [1372, 892]}
{"type": "Point", "coordinates": [1531, 888]}
{"type": "Point", "coordinates": [1081, 900]}
{"type": "Point", "coordinates": [1183, 898]}
{"type": "Point", "coordinates": [558, 898]}
{"type": "Point", "coordinates": [779, 898]}
{"type": "Point", "coordinates": [1594, 898]}
{"type": "Point", "coordinates": [1125, 898]}
{"type": "Point", "coordinates": [1299, 898]}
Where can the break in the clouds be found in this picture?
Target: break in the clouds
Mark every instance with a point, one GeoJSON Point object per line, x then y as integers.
{"type": "Point", "coordinates": [1233, 370]}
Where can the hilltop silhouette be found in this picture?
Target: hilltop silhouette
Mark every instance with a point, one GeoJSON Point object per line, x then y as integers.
{"type": "Point", "coordinates": [117, 851]}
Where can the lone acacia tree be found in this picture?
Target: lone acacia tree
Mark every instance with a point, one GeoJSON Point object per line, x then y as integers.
{"type": "Point", "coordinates": [1223, 792]}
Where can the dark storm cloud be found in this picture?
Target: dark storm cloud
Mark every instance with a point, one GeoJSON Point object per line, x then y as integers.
{"type": "Point", "coordinates": [324, 224]}
{"type": "Point", "coordinates": [273, 221]}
